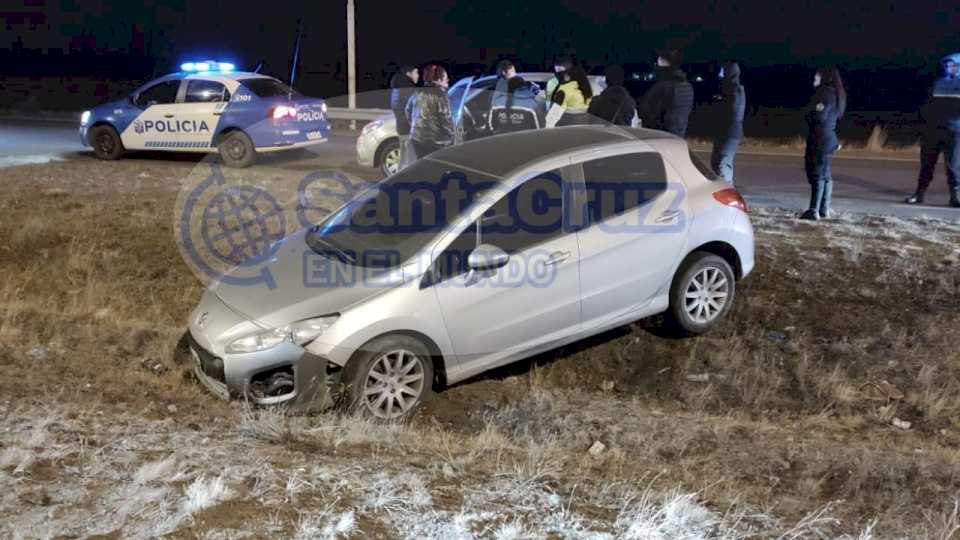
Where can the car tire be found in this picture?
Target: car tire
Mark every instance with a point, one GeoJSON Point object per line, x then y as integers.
{"type": "Point", "coordinates": [702, 293]}
{"type": "Point", "coordinates": [388, 157]}
{"type": "Point", "coordinates": [106, 143]}
{"type": "Point", "coordinates": [388, 379]}
{"type": "Point", "coordinates": [237, 150]}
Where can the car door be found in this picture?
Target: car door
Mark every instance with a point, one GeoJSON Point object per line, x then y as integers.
{"type": "Point", "coordinates": [533, 302]}
{"type": "Point", "coordinates": [204, 102]}
{"type": "Point", "coordinates": [155, 127]}
{"type": "Point", "coordinates": [634, 234]}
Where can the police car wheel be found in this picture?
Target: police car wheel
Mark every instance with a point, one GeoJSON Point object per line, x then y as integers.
{"type": "Point", "coordinates": [106, 143]}
{"type": "Point", "coordinates": [236, 150]}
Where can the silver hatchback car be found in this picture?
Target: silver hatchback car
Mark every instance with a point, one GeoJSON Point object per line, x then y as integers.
{"type": "Point", "coordinates": [474, 257]}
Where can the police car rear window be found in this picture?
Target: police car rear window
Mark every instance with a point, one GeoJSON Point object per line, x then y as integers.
{"type": "Point", "coordinates": [267, 88]}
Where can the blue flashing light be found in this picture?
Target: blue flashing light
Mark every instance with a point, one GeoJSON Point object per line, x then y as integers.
{"type": "Point", "coordinates": [187, 67]}
{"type": "Point", "coordinates": [207, 65]}
{"type": "Point", "coordinates": [226, 66]}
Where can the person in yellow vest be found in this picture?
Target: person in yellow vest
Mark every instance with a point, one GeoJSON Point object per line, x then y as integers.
{"type": "Point", "coordinates": [573, 96]}
{"type": "Point", "coordinates": [562, 64]}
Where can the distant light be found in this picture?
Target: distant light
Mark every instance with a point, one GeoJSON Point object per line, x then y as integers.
{"type": "Point", "coordinates": [187, 67]}
{"type": "Point", "coordinates": [226, 66]}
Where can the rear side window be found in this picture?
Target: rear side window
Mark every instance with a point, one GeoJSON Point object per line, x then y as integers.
{"type": "Point", "coordinates": [267, 88]}
{"type": "Point", "coordinates": [159, 94]}
{"type": "Point", "coordinates": [703, 167]}
{"type": "Point", "coordinates": [617, 184]}
{"type": "Point", "coordinates": [200, 91]}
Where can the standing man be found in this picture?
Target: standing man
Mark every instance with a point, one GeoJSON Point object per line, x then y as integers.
{"type": "Point", "coordinates": [729, 128]}
{"type": "Point", "coordinates": [667, 105]}
{"type": "Point", "coordinates": [941, 133]}
{"type": "Point", "coordinates": [614, 105]}
{"type": "Point", "coordinates": [505, 71]}
{"type": "Point", "coordinates": [402, 86]}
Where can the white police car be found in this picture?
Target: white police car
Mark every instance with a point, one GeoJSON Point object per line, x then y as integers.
{"type": "Point", "coordinates": [207, 107]}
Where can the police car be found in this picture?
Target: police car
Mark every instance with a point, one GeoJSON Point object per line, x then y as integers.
{"type": "Point", "coordinates": [207, 107]}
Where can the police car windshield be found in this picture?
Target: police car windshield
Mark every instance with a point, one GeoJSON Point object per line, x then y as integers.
{"type": "Point", "coordinates": [264, 87]}
{"type": "Point", "coordinates": [389, 223]}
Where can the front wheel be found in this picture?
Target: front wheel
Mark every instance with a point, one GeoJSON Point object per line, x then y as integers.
{"type": "Point", "coordinates": [390, 378]}
{"type": "Point", "coordinates": [390, 155]}
{"type": "Point", "coordinates": [106, 143]}
{"type": "Point", "coordinates": [236, 150]}
{"type": "Point", "coordinates": [702, 293]}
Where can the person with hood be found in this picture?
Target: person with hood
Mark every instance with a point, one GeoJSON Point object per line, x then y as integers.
{"type": "Point", "coordinates": [561, 65]}
{"type": "Point", "coordinates": [520, 107]}
{"type": "Point", "coordinates": [827, 106]}
{"type": "Point", "coordinates": [430, 113]}
{"type": "Point", "coordinates": [573, 96]}
{"type": "Point", "coordinates": [667, 105]}
{"type": "Point", "coordinates": [941, 133]}
{"type": "Point", "coordinates": [614, 105]}
{"type": "Point", "coordinates": [729, 127]}
{"type": "Point", "coordinates": [402, 85]}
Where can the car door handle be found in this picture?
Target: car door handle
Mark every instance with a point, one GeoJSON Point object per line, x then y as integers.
{"type": "Point", "coordinates": [218, 114]}
{"type": "Point", "coordinates": [668, 217]}
{"type": "Point", "coordinates": [168, 116]}
{"type": "Point", "coordinates": [557, 257]}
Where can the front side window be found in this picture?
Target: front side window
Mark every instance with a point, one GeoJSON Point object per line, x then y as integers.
{"type": "Point", "coordinates": [201, 91]}
{"type": "Point", "coordinates": [159, 94]}
{"type": "Point", "coordinates": [617, 184]}
{"type": "Point", "coordinates": [265, 87]}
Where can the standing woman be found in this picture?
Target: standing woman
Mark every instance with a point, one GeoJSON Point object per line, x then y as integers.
{"type": "Point", "coordinates": [825, 109]}
{"type": "Point", "coordinates": [573, 95]}
{"type": "Point", "coordinates": [429, 111]}
{"type": "Point", "coordinates": [729, 129]}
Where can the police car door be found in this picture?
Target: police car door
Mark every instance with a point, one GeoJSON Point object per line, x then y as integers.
{"type": "Point", "coordinates": [458, 95]}
{"type": "Point", "coordinates": [158, 106]}
{"type": "Point", "coordinates": [204, 101]}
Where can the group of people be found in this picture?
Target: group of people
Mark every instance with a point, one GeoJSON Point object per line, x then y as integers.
{"type": "Point", "coordinates": [425, 121]}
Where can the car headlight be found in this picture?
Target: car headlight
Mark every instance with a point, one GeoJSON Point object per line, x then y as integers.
{"type": "Point", "coordinates": [84, 118]}
{"type": "Point", "coordinates": [370, 126]}
{"type": "Point", "coordinates": [323, 107]}
{"type": "Point", "coordinates": [300, 332]}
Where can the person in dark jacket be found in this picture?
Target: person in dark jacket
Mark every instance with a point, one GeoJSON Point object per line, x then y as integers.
{"type": "Point", "coordinates": [505, 71]}
{"type": "Point", "coordinates": [729, 127]}
{"type": "Point", "coordinates": [941, 133]}
{"type": "Point", "coordinates": [614, 105]}
{"type": "Point", "coordinates": [402, 86]}
{"type": "Point", "coordinates": [520, 108]}
{"type": "Point", "coordinates": [827, 106]}
{"type": "Point", "coordinates": [430, 113]}
{"type": "Point", "coordinates": [667, 105]}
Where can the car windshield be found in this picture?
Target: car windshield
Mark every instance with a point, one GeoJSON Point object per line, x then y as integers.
{"type": "Point", "coordinates": [392, 221]}
{"type": "Point", "coordinates": [265, 87]}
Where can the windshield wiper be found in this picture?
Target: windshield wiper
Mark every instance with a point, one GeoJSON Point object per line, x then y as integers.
{"type": "Point", "coordinates": [314, 237]}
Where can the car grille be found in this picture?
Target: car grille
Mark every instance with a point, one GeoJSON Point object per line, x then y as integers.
{"type": "Point", "coordinates": [211, 365]}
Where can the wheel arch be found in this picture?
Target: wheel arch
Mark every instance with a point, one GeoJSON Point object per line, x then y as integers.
{"type": "Point", "coordinates": [218, 138]}
{"type": "Point", "coordinates": [382, 149]}
{"type": "Point", "coordinates": [723, 250]}
{"type": "Point", "coordinates": [436, 354]}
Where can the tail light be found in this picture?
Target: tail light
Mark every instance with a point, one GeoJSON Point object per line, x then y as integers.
{"type": "Point", "coordinates": [731, 197]}
{"type": "Point", "coordinates": [282, 112]}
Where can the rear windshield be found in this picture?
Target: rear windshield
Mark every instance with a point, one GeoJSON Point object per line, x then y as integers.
{"type": "Point", "coordinates": [703, 167]}
{"type": "Point", "coordinates": [268, 88]}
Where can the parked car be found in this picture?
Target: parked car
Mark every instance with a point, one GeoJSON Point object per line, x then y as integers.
{"type": "Point", "coordinates": [378, 145]}
{"type": "Point", "coordinates": [560, 234]}
{"type": "Point", "coordinates": [207, 107]}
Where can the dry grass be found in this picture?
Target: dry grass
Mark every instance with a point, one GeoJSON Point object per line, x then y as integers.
{"type": "Point", "coordinates": [790, 436]}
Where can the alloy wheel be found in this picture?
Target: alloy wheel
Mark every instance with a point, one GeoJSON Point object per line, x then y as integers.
{"type": "Point", "coordinates": [391, 161]}
{"type": "Point", "coordinates": [394, 384]}
{"type": "Point", "coordinates": [706, 295]}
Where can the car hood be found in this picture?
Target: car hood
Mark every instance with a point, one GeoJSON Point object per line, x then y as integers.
{"type": "Point", "coordinates": [296, 283]}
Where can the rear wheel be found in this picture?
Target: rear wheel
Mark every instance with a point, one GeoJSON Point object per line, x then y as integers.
{"type": "Point", "coordinates": [702, 293]}
{"type": "Point", "coordinates": [106, 142]}
{"type": "Point", "coordinates": [389, 379]}
{"type": "Point", "coordinates": [390, 157]}
{"type": "Point", "coordinates": [236, 150]}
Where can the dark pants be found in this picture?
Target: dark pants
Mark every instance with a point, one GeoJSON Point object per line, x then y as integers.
{"type": "Point", "coordinates": [721, 159]}
{"type": "Point", "coordinates": [817, 159]}
{"type": "Point", "coordinates": [424, 149]}
{"type": "Point", "coordinates": [931, 146]}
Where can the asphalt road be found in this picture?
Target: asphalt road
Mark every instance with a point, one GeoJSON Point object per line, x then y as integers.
{"type": "Point", "coordinates": [863, 185]}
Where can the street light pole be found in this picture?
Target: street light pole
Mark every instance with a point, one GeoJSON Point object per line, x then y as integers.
{"type": "Point", "coordinates": [351, 61]}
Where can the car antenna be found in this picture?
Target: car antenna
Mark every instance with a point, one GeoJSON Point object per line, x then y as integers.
{"type": "Point", "coordinates": [260, 65]}
{"type": "Point", "coordinates": [296, 58]}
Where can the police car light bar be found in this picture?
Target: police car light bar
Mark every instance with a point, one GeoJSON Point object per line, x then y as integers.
{"type": "Point", "coordinates": [208, 65]}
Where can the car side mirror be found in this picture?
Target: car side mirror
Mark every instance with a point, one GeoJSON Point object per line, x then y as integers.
{"type": "Point", "coordinates": [487, 257]}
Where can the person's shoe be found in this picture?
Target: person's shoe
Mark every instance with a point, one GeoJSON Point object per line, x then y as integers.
{"type": "Point", "coordinates": [810, 215]}
{"type": "Point", "coordinates": [955, 198]}
{"type": "Point", "coordinates": [826, 214]}
{"type": "Point", "coordinates": [916, 198]}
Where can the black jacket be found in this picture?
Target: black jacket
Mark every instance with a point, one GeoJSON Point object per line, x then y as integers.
{"type": "Point", "coordinates": [431, 118]}
{"type": "Point", "coordinates": [401, 90]}
{"type": "Point", "coordinates": [941, 113]}
{"type": "Point", "coordinates": [614, 105]}
{"type": "Point", "coordinates": [822, 114]}
{"type": "Point", "coordinates": [667, 105]}
{"type": "Point", "coordinates": [733, 104]}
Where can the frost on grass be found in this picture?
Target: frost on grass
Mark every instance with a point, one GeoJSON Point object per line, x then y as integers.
{"type": "Point", "coordinates": [397, 492]}
{"type": "Point", "coordinates": [327, 525]}
{"type": "Point", "coordinates": [204, 493]}
{"type": "Point", "coordinates": [535, 417]}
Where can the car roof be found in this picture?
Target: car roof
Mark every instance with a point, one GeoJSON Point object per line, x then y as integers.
{"type": "Point", "coordinates": [213, 76]}
{"type": "Point", "coordinates": [500, 155]}
{"type": "Point", "coordinates": [535, 76]}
